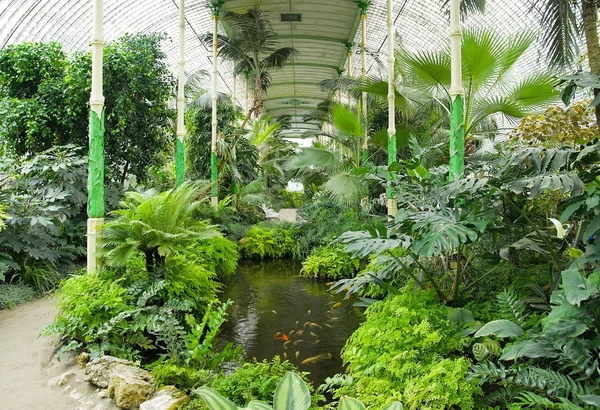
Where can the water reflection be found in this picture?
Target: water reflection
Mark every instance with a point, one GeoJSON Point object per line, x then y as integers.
{"type": "Point", "coordinates": [277, 312]}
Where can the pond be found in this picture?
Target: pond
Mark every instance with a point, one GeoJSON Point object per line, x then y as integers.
{"type": "Point", "coordinates": [278, 312]}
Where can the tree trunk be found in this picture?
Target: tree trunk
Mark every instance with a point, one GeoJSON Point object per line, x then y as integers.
{"type": "Point", "coordinates": [258, 103]}
{"type": "Point", "coordinates": [590, 27]}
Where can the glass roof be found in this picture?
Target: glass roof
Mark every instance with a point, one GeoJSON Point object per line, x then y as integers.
{"type": "Point", "coordinates": [326, 25]}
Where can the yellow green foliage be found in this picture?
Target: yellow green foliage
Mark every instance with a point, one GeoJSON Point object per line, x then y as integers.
{"type": "Point", "coordinates": [408, 350]}
{"type": "Point", "coordinates": [556, 126]}
{"type": "Point", "coordinates": [330, 262]}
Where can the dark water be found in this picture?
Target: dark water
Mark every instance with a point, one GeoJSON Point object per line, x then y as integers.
{"type": "Point", "coordinates": [271, 299]}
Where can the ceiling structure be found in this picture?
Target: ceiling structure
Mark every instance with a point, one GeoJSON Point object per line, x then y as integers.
{"type": "Point", "coordinates": [319, 38]}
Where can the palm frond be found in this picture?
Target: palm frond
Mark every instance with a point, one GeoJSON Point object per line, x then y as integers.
{"type": "Point", "coordinates": [344, 188]}
{"type": "Point", "coordinates": [561, 32]}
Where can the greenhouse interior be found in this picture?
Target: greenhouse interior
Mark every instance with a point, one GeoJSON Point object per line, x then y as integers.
{"type": "Point", "coordinates": [299, 204]}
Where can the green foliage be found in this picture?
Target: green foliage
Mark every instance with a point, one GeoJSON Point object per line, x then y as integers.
{"type": "Point", "coordinates": [235, 165]}
{"type": "Point", "coordinates": [291, 199]}
{"type": "Point", "coordinates": [155, 224]}
{"type": "Point", "coordinates": [184, 377]}
{"type": "Point", "coordinates": [254, 381]}
{"type": "Point", "coordinates": [44, 201]}
{"type": "Point", "coordinates": [321, 221]}
{"type": "Point", "coordinates": [330, 262]}
{"type": "Point", "coordinates": [407, 349]}
{"type": "Point", "coordinates": [219, 255]}
{"type": "Point", "coordinates": [555, 359]}
{"type": "Point", "coordinates": [45, 101]}
{"type": "Point", "coordinates": [12, 294]}
{"type": "Point", "coordinates": [268, 241]}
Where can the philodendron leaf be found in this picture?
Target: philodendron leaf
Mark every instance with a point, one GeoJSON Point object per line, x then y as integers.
{"type": "Point", "coordinates": [348, 403]}
{"type": "Point", "coordinates": [577, 287]}
{"type": "Point", "coordinates": [527, 348]}
{"type": "Point", "coordinates": [591, 399]}
{"type": "Point", "coordinates": [258, 405]}
{"type": "Point", "coordinates": [500, 328]}
{"type": "Point", "coordinates": [213, 400]}
{"type": "Point", "coordinates": [395, 405]}
{"type": "Point", "coordinates": [291, 394]}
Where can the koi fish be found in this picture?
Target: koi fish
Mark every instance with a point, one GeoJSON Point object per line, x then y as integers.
{"type": "Point", "coordinates": [313, 325]}
{"type": "Point", "coordinates": [328, 325]}
{"type": "Point", "coordinates": [277, 335]}
{"type": "Point", "coordinates": [327, 356]}
{"type": "Point", "coordinates": [291, 334]}
{"type": "Point", "coordinates": [311, 360]}
{"type": "Point", "coordinates": [282, 336]}
{"type": "Point", "coordinates": [306, 324]}
{"type": "Point", "coordinates": [297, 354]}
{"type": "Point", "coordinates": [335, 305]}
{"type": "Point", "coordinates": [299, 332]}
{"type": "Point", "coordinates": [313, 335]}
{"type": "Point", "coordinates": [274, 311]}
{"type": "Point", "coordinates": [298, 341]}
{"type": "Point", "coordinates": [285, 356]}
{"type": "Point", "coordinates": [297, 321]}
{"type": "Point", "coordinates": [309, 311]}
{"type": "Point", "coordinates": [316, 341]}
{"type": "Point", "coordinates": [287, 343]}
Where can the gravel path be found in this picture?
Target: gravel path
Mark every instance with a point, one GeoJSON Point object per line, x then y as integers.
{"type": "Point", "coordinates": [27, 364]}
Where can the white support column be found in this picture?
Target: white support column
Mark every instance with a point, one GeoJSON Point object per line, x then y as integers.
{"type": "Point", "coordinates": [214, 198]}
{"type": "Point", "coordinates": [180, 150]}
{"type": "Point", "coordinates": [392, 206]}
{"type": "Point", "coordinates": [96, 142]}
{"type": "Point", "coordinates": [363, 71]}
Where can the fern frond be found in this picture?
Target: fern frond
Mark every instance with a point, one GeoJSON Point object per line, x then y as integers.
{"type": "Point", "coordinates": [511, 306]}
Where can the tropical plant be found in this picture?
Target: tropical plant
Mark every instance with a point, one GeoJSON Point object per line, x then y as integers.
{"type": "Point", "coordinates": [408, 349]}
{"type": "Point", "coordinates": [155, 224]}
{"type": "Point", "coordinates": [330, 262]}
{"type": "Point", "coordinates": [553, 361]}
{"type": "Point", "coordinates": [291, 393]}
{"type": "Point", "coordinates": [268, 241]}
{"type": "Point", "coordinates": [488, 61]}
{"type": "Point", "coordinates": [13, 294]}
{"type": "Point", "coordinates": [341, 168]}
{"type": "Point", "coordinates": [252, 44]}
{"type": "Point", "coordinates": [44, 201]}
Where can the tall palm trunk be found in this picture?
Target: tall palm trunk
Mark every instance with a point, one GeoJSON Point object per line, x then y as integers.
{"type": "Point", "coordinates": [258, 103]}
{"type": "Point", "coordinates": [590, 27]}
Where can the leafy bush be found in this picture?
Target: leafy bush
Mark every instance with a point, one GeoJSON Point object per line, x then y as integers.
{"type": "Point", "coordinates": [184, 377]}
{"type": "Point", "coordinates": [553, 361]}
{"type": "Point", "coordinates": [289, 199]}
{"type": "Point", "coordinates": [321, 221]}
{"type": "Point", "coordinates": [330, 262]}
{"type": "Point", "coordinates": [254, 381]}
{"type": "Point", "coordinates": [268, 241]}
{"type": "Point", "coordinates": [406, 350]}
{"type": "Point", "coordinates": [219, 255]}
{"type": "Point", "coordinates": [44, 199]}
{"type": "Point", "coordinates": [12, 294]}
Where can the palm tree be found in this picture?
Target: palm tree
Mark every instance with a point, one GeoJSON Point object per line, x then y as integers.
{"type": "Point", "coordinates": [562, 32]}
{"type": "Point", "coordinates": [344, 182]}
{"type": "Point", "coordinates": [252, 44]}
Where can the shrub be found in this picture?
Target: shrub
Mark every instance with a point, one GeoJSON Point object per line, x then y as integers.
{"type": "Point", "coordinates": [12, 294]}
{"type": "Point", "coordinates": [184, 377]}
{"type": "Point", "coordinates": [406, 351]}
{"type": "Point", "coordinates": [253, 381]}
{"type": "Point", "coordinates": [219, 255]}
{"type": "Point", "coordinates": [330, 262]}
{"type": "Point", "coordinates": [268, 241]}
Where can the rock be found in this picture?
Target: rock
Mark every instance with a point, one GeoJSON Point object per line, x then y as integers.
{"type": "Point", "coordinates": [129, 386]}
{"type": "Point", "coordinates": [99, 371]}
{"type": "Point", "coordinates": [82, 358]}
{"type": "Point", "coordinates": [62, 379]}
{"type": "Point", "coordinates": [168, 398]}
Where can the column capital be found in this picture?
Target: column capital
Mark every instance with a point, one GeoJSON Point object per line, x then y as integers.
{"type": "Point", "coordinates": [364, 5]}
{"type": "Point", "coordinates": [349, 46]}
{"type": "Point", "coordinates": [215, 7]}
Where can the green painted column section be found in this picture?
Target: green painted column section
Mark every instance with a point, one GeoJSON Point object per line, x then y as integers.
{"type": "Point", "coordinates": [214, 177]}
{"type": "Point", "coordinates": [96, 166]}
{"type": "Point", "coordinates": [179, 162]}
{"type": "Point", "coordinates": [457, 139]}
{"type": "Point", "coordinates": [391, 159]}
